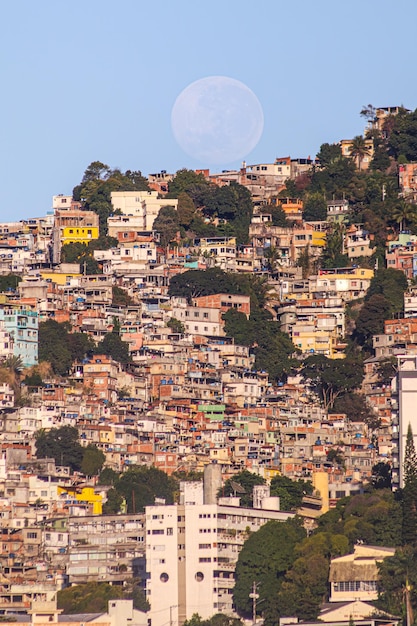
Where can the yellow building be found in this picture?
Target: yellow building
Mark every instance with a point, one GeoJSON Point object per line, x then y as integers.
{"type": "Point", "coordinates": [318, 238]}
{"type": "Point", "coordinates": [60, 278]}
{"type": "Point", "coordinates": [362, 163]}
{"type": "Point", "coordinates": [321, 485]}
{"type": "Point", "coordinates": [85, 494]}
{"type": "Point", "coordinates": [312, 340]}
{"type": "Point", "coordinates": [79, 234]}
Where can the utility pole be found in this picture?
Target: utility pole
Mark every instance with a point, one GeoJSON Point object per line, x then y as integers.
{"type": "Point", "coordinates": [173, 606]}
{"type": "Point", "coordinates": [254, 595]}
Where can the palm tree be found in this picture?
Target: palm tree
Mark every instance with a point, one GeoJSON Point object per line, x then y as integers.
{"type": "Point", "coordinates": [273, 259]}
{"type": "Point", "coordinates": [404, 212]}
{"type": "Point", "coordinates": [10, 371]}
{"type": "Point", "coordinates": [359, 149]}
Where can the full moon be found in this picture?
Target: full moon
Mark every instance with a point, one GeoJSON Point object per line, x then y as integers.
{"type": "Point", "coordinates": [217, 120]}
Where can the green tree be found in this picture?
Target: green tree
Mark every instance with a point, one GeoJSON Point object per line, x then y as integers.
{"type": "Point", "coordinates": [93, 460]}
{"type": "Point", "coordinates": [391, 284]}
{"type": "Point", "coordinates": [53, 346]}
{"type": "Point", "coordinates": [61, 444]}
{"type": "Point", "coordinates": [306, 262]}
{"type": "Point", "coordinates": [185, 210]}
{"type": "Point", "coordinates": [381, 475]}
{"type": "Point", "coordinates": [238, 326]}
{"type": "Point", "coordinates": [335, 175]}
{"type": "Point", "coordinates": [265, 558]}
{"type": "Point", "coordinates": [370, 320]}
{"type": "Point", "coordinates": [386, 370]}
{"type": "Point", "coordinates": [10, 282]}
{"type": "Point", "coordinates": [397, 573]}
{"type": "Point", "coordinates": [167, 225]}
{"type": "Point", "coordinates": [187, 181]}
{"type": "Point", "coordinates": [79, 345]}
{"type": "Point", "coordinates": [305, 586]}
{"type": "Point", "coordinates": [176, 326]}
{"type": "Point", "coordinates": [409, 493]}
{"type": "Point", "coordinates": [80, 253]}
{"type": "Point", "coordinates": [315, 208]}
{"type": "Point", "coordinates": [98, 182]}
{"type": "Point", "coordinates": [114, 502]}
{"type": "Point", "coordinates": [359, 150]}
{"type": "Point", "coordinates": [355, 407]}
{"type": "Point", "coordinates": [333, 252]}
{"type": "Point", "coordinates": [108, 477]}
{"type": "Point", "coordinates": [34, 379]}
{"type": "Point", "coordinates": [402, 140]}
{"type": "Point", "coordinates": [290, 492]}
{"type": "Point", "coordinates": [272, 256]}
{"type": "Point", "coordinates": [329, 154]}
{"type": "Point", "coordinates": [332, 378]}
{"type": "Point", "coordinates": [94, 597]}
{"type": "Point", "coordinates": [196, 283]}
{"type": "Point", "coordinates": [140, 485]}
{"type": "Point", "coordinates": [404, 213]}
{"type": "Point", "coordinates": [374, 518]}
{"type": "Point", "coordinates": [113, 346]}
{"type": "Point", "coordinates": [247, 481]}
{"type": "Point", "coordinates": [220, 619]}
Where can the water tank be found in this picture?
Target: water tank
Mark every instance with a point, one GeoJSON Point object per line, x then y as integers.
{"type": "Point", "coordinates": [212, 482]}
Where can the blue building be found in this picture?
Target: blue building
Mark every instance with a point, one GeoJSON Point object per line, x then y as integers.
{"type": "Point", "coordinates": [22, 324]}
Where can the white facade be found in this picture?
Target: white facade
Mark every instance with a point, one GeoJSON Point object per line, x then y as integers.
{"type": "Point", "coordinates": [145, 204]}
{"type": "Point", "coordinates": [191, 554]}
{"type": "Point", "coordinates": [199, 320]}
{"type": "Point", "coordinates": [404, 413]}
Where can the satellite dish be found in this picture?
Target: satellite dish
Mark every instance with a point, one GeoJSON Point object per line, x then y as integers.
{"type": "Point", "coordinates": [236, 487]}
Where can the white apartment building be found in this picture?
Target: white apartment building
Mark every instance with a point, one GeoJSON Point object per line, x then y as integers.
{"type": "Point", "coordinates": [404, 403]}
{"type": "Point", "coordinates": [191, 553]}
{"type": "Point", "coordinates": [143, 204]}
{"type": "Point", "coordinates": [199, 320]}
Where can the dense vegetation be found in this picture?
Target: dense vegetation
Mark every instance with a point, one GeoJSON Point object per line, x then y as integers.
{"type": "Point", "coordinates": [272, 348]}
{"type": "Point", "coordinates": [292, 568]}
{"type": "Point", "coordinates": [62, 444]}
{"type": "Point", "coordinates": [94, 597]}
{"type": "Point", "coordinates": [98, 182]}
{"type": "Point", "coordinates": [60, 347]}
{"type": "Point", "coordinates": [290, 492]}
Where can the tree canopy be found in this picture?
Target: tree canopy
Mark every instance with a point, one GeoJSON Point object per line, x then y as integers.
{"type": "Point", "coordinates": [266, 557]}
{"type": "Point", "coordinates": [290, 492]}
{"type": "Point", "coordinates": [247, 481]}
{"type": "Point", "coordinates": [98, 182]}
{"type": "Point", "coordinates": [139, 486]}
{"type": "Point", "coordinates": [94, 597]}
{"type": "Point", "coordinates": [59, 347]}
{"type": "Point", "coordinates": [61, 444]}
{"type": "Point", "coordinates": [331, 378]}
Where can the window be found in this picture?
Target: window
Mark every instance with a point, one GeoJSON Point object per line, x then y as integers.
{"type": "Point", "coordinates": [32, 535]}
{"type": "Point", "coordinates": [158, 531]}
{"type": "Point", "coordinates": [199, 577]}
{"type": "Point", "coordinates": [356, 585]}
{"type": "Point", "coordinates": [204, 546]}
{"type": "Point", "coordinates": [164, 578]}
{"type": "Point", "coordinates": [170, 531]}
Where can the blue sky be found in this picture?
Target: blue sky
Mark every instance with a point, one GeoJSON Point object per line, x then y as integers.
{"type": "Point", "coordinates": [97, 79]}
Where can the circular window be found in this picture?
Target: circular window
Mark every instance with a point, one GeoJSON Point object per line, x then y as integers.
{"type": "Point", "coordinates": [199, 577]}
{"type": "Point", "coordinates": [164, 577]}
